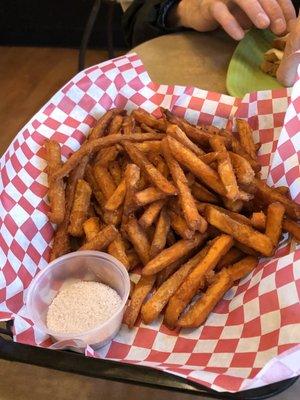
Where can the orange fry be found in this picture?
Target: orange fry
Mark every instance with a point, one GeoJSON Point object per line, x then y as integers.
{"type": "Point", "coordinates": [178, 134]}
{"type": "Point", "coordinates": [138, 239]}
{"type": "Point", "coordinates": [117, 198]}
{"type": "Point", "coordinates": [56, 191]}
{"type": "Point", "coordinates": [275, 216]}
{"type": "Point", "coordinates": [148, 196]}
{"type": "Point", "coordinates": [102, 239]}
{"type": "Point", "coordinates": [231, 257]}
{"type": "Point", "coordinates": [151, 213]}
{"type": "Point", "coordinates": [258, 220]}
{"type": "Point", "coordinates": [179, 225]}
{"type": "Point", "coordinates": [115, 125]}
{"type": "Point", "coordinates": [80, 207]}
{"type": "Point", "coordinates": [199, 311]}
{"type": "Point", "coordinates": [242, 268]}
{"type": "Point", "coordinates": [173, 253]}
{"type": "Point", "coordinates": [202, 194]}
{"type": "Point", "coordinates": [91, 227]}
{"type": "Point", "coordinates": [292, 227]}
{"type": "Point", "coordinates": [144, 117]}
{"type": "Point", "coordinates": [160, 234]}
{"type": "Point", "coordinates": [115, 171]}
{"type": "Point", "coordinates": [117, 249]}
{"type": "Point", "coordinates": [104, 181]}
{"type": "Point", "coordinates": [242, 168]}
{"type": "Point", "coordinates": [246, 137]}
{"type": "Point", "coordinates": [132, 175]}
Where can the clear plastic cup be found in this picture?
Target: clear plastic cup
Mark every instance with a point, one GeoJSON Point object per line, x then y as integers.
{"type": "Point", "coordinates": [81, 265]}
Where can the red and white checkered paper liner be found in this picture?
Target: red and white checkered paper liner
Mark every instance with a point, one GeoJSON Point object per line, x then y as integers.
{"type": "Point", "coordinates": [253, 336]}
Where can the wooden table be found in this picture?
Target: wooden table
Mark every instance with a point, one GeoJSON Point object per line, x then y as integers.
{"type": "Point", "coordinates": [189, 59]}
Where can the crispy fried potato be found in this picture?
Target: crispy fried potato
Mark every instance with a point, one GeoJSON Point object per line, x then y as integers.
{"type": "Point", "coordinates": [246, 137]}
{"type": "Point", "coordinates": [242, 268]}
{"type": "Point", "coordinates": [80, 208]}
{"type": "Point", "coordinates": [151, 213]}
{"type": "Point", "coordinates": [117, 249]}
{"type": "Point", "coordinates": [148, 196]}
{"type": "Point", "coordinates": [275, 214]}
{"type": "Point", "coordinates": [91, 227]}
{"type": "Point", "coordinates": [102, 239]}
{"type": "Point", "coordinates": [160, 234]}
{"type": "Point", "coordinates": [138, 239]}
{"type": "Point", "coordinates": [117, 198]}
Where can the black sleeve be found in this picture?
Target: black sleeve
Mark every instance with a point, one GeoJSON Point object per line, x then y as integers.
{"type": "Point", "coordinates": [144, 20]}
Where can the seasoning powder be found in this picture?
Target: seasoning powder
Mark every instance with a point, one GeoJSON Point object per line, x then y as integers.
{"type": "Point", "coordinates": [82, 306]}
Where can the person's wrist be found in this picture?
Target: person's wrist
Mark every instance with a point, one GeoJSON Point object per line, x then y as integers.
{"type": "Point", "coordinates": [175, 15]}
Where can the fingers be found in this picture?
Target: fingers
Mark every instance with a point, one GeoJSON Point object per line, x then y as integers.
{"type": "Point", "coordinates": [278, 23]}
{"type": "Point", "coordinates": [288, 10]}
{"type": "Point", "coordinates": [224, 17]}
{"type": "Point", "coordinates": [255, 12]}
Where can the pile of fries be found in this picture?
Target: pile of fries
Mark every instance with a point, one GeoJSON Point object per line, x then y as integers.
{"type": "Point", "coordinates": [186, 202]}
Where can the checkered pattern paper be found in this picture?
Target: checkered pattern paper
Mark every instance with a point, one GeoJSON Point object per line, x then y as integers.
{"type": "Point", "coordinates": [252, 337]}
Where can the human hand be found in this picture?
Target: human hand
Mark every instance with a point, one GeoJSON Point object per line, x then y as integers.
{"type": "Point", "coordinates": [234, 16]}
{"type": "Point", "coordinates": [287, 71]}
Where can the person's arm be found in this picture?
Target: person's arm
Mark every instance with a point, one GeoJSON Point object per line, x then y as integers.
{"type": "Point", "coordinates": [147, 19]}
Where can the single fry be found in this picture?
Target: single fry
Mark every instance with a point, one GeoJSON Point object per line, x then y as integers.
{"type": "Point", "coordinates": [117, 198]}
{"type": "Point", "coordinates": [189, 159]}
{"type": "Point", "coordinates": [246, 249]}
{"type": "Point", "coordinates": [104, 181]}
{"type": "Point", "coordinates": [132, 175]}
{"type": "Point", "coordinates": [275, 214]}
{"type": "Point", "coordinates": [163, 275]}
{"type": "Point", "coordinates": [133, 259]}
{"type": "Point", "coordinates": [292, 227]}
{"type": "Point", "coordinates": [225, 169]}
{"type": "Point", "coordinates": [186, 200]}
{"type": "Point", "coordinates": [246, 137]}
{"type": "Point", "coordinates": [152, 173]}
{"type": "Point", "coordinates": [152, 308]}
{"type": "Point", "coordinates": [196, 278]}
{"type": "Point", "coordinates": [148, 196]}
{"type": "Point", "coordinates": [283, 190]}
{"type": "Point", "coordinates": [233, 205]}
{"type": "Point", "coordinates": [144, 117]}
{"type": "Point", "coordinates": [151, 213]}
{"type": "Point", "coordinates": [173, 253]}
{"type": "Point", "coordinates": [178, 134]}
{"type": "Point", "coordinates": [160, 234]}
{"type": "Point", "coordinates": [80, 208]}
{"type": "Point", "coordinates": [242, 268]}
{"type": "Point", "coordinates": [91, 227]}
{"type": "Point", "coordinates": [242, 168]}
{"type": "Point", "coordinates": [240, 231]}
{"type": "Point", "coordinates": [138, 239]}
{"type": "Point", "coordinates": [270, 195]}
{"type": "Point", "coordinates": [115, 125]}
{"type": "Point", "coordinates": [140, 292]}
{"type": "Point", "coordinates": [210, 158]}
{"type": "Point", "coordinates": [56, 191]}
{"type": "Point", "coordinates": [198, 313]}
{"type": "Point", "coordinates": [117, 249]}
{"type": "Point", "coordinates": [107, 155]}
{"type": "Point", "coordinates": [102, 124]}
{"type": "Point", "coordinates": [258, 220]}
{"type": "Point", "coordinates": [151, 146]}
{"type": "Point", "coordinates": [202, 194]}
{"type": "Point", "coordinates": [102, 239]}
{"type": "Point", "coordinates": [179, 225]}
{"type": "Point", "coordinates": [115, 171]}
{"type": "Point", "coordinates": [128, 125]}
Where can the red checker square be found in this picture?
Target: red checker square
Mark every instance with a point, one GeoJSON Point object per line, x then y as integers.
{"type": "Point", "coordinates": [84, 83]}
{"type": "Point", "coordinates": [16, 144]}
{"type": "Point", "coordinates": [268, 340]}
{"type": "Point", "coordinates": [196, 103]}
{"type": "Point", "coordinates": [103, 82]}
{"type": "Point", "coordinates": [26, 205]}
{"type": "Point", "coordinates": [287, 149]}
{"type": "Point", "coordinates": [136, 83]}
{"type": "Point", "coordinates": [119, 81]}
{"type": "Point", "coordinates": [66, 88]}
{"type": "Point", "coordinates": [7, 156]}
{"type": "Point", "coordinates": [178, 110]}
{"type": "Point", "coordinates": [290, 315]}
{"type": "Point", "coordinates": [89, 120]}
{"type": "Point", "coordinates": [226, 346]}
{"type": "Point", "coordinates": [144, 338]}
{"type": "Point", "coordinates": [118, 350]}
{"type": "Point", "coordinates": [231, 383]}
{"type": "Point", "coordinates": [91, 69]}
{"type": "Point", "coordinates": [10, 224]}
{"type": "Point", "coordinates": [292, 126]}
{"type": "Point", "coordinates": [243, 110]}
{"type": "Point", "coordinates": [251, 293]}
{"type": "Point", "coordinates": [26, 133]}
{"type": "Point", "coordinates": [216, 370]}
{"type": "Point", "coordinates": [138, 99]}
{"type": "Point", "coordinates": [17, 250]}
{"type": "Point", "coordinates": [106, 101]}
{"type": "Point", "coordinates": [46, 343]}
{"type": "Point", "coordinates": [183, 345]}
{"type": "Point", "coordinates": [47, 232]}
{"type": "Point", "coordinates": [253, 372]}
{"type": "Point", "coordinates": [157, 356]}
{"type": "Point", "coordinates": [19, 184]}
{"type": "Point", "coordinates": [7, 201]}
{"type": "Point", "coordinates": [87, 102]}
{"type": "Point", "coordinates": [2, 299]}
{"type": "Point", "coordinates": [51, 123]}
{"type": "Point", "coordinates": [38, 189]}
{"type": "Point", "coordinates": [3, 245]}
{"type": "Point", "coordinates": [206, 118]}
{"type": "Point", "coordinates": [79, 136]}
{"type": "Point", "coordinates": [211, 332]}
{"type": "Point", "coordinates": [264, 159]}
{"type": "Point", "coordinates": [278, 172]}
{"type": "Point", "coordinates": [4, 176]}
{"type": "Point", "coordinates": [278, 93]}
{"type": "Point", "coordinates": [213, 96]}
{"type": "Point", "coordinates": [223, 109]}
{"type": "Point", "coordinates": [235, 317]}
{"type": "Point", "coordinates": [35, 124]}
{"type": "Point", "coordinates": [66, 104]}
{"type": "Point", "coordinates": [125, 67]}
{"type": "Point", "coordinates": [29, 229]}
{"type": "Point", "coordinates": [253, 97]}
{"type": "Point", "coordinates": [266, 135]}
{"type": "Point", "coordinates": [32, 170]}
{"type": "Point", "coordinates": [284, 276]}
{"type": "Point", "coordinates": [73, 123]}
{"type": "Point", "coordinates": [140, 69]}
{"type": "Point", "coordinates": [9, 273]}
{"type": "Point", "coordinates": [170, 332]}
{"type": "Point", "coordinates": [278, 119]}
{"type": "Point", "coordinates": [27, 151]}
{"type": "Point", "coordinates": [292, 174]}
{"type": "Point", "coordinates": [268, 268]}
{"type": "Point", "coordinates": [199, 359]}
{"type": "Point", "coordinates": [15, 163]}
{"type": "Point", "coordinates": [49, 109]}
{"type": "Point", "coordinates": [46, 254]}
{"type": "Point", "coordinates": [38, 138]}
{"type": "Point", "coordinates": [251, 328]}
{"type": "Point", "coordinates": [25, 276]}
{"type": "Point", "coordinates": [284, 347]}
{"type": "Point", "coordinates": [15, 303]}
{"type": "Point", "coordinates": [43, 207]}
{"type": "Point", "coordinates": [157, 99]}
{"type": "Point", "coordinates": [26, 337]}
{"type": "Point", "coordinates": [120, 101]}
{"type": "Point", "coordinates": [264, 107]}
{"type": "Point", "coordinates": [243, 359]}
